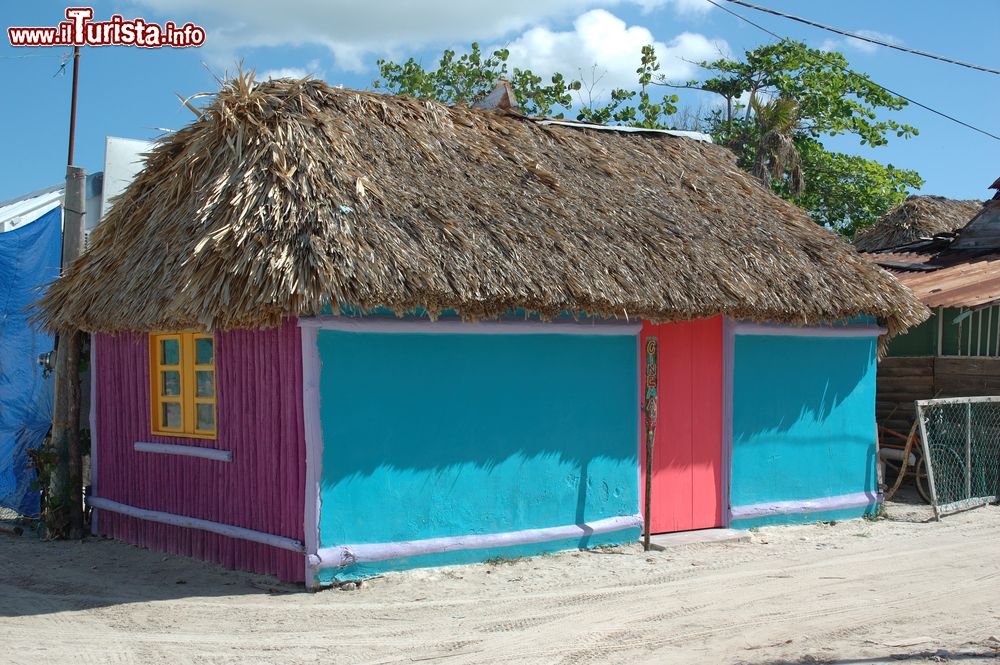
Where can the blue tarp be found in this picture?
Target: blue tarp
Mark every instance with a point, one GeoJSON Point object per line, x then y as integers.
{"type": "Point", "coordinates": [29, 259]}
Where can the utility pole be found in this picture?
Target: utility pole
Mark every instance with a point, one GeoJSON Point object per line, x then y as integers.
{"type": "Point", "coordinates": [64, 512]}
{"type": "Point", "coordinates": [72, 104]}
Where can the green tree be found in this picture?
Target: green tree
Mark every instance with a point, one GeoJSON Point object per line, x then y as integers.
{"type": "Point", "coordinates": [850, 190]}
{"type": "Point", "coordinates": [623, 109]}
{"type": "Point", "coordinates": [796, 97]}
{"type": "Point", "coordinates": [467, 78]}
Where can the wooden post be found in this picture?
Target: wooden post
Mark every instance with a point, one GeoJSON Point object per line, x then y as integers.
{"type": "Point", "coordinates": [649, 407]}
{"type": "Point", "coordinates": [64, 508]}
{"type": "Point", "coordinates": [910, 439]}
{"type": "Point", "coordinates": [64, 512]}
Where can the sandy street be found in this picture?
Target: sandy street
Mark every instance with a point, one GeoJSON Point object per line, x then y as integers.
{"type": "Point", "coordinates": [853, 592]}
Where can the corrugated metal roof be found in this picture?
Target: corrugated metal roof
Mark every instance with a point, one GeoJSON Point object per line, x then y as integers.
{"type": "Point", "coordinates": [969, 283]}
{"type": "Point", "coordinates": [29, 207]}
{"type": "Point", "coordinates": [901, 260]}
{"type": "Point", "coordinates": [697, 136]}
{"type": "Point", "coordinates": [954, 269]}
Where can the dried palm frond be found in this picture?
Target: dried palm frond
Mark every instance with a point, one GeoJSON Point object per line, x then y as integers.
{"type": "Point", "coordinates": [776, 154]}
{"type": "Point", "coordinates": [917, 217]}
{"type": "Point", "coordinates": [286, 196]}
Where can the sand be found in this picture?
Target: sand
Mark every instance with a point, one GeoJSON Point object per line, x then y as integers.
{"type": "Point", "coordinates": [853, 592]}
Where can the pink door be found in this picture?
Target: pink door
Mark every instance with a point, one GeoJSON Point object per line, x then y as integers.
{"type": "Point", "coordinates": [687, 453]}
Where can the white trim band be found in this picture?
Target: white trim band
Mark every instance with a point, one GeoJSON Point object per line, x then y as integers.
{"type": "Point", "coordinates": [194, 523]}
{"type": "Point", "coordinates": [313, 430]}
{"type": "Point", "coordinates": [344, 555]}
{"type": "Point", "coordinates": [856, 500]}
{"type": "Point", "coordinates": [784, 330]}
{"type": "Point", "coordinates": [184, 451]}
{"type": "Point", "coordinates": [387, 325]}
{"type": "Point", "coordinates": [728, 373]}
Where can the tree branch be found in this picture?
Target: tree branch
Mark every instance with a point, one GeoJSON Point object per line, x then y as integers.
{"type": "Point", "coordinates": [686, 86]}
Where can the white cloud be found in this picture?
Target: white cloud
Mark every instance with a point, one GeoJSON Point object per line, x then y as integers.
{"type": "Point", "coordinates": [860, 45]}
{"type": "Point", "coordinates": [681, 7]}
{"type": "Point", "coordinates": [284, 73]}
{"type": "Point", "coordinates": [311, 69]}
{"type": "Point", "coordinates": [714, 101]}
{"type": "Point", "coordinates": [602, 39]}
{"type": "Point", "coordinates": [353, 31]}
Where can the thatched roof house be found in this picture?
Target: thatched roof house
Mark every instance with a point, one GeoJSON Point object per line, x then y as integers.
{"type": "Point", "coordinates": [287, 195]}
{"type": "Point", "coordinates": [917, 217]}
{"type": "Point", "coordinates": [324, 448]}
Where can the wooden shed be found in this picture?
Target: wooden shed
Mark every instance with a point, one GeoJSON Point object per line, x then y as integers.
{"type": "Point", "coordinates": [955, 272]}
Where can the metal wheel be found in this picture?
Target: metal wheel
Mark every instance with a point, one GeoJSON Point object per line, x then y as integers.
{"type": "Point", "coordinates": [949, 473]}
{"type": "Point", "coordinates": [920, 480]}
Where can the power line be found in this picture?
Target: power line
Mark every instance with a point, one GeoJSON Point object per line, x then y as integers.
{"type": "Point", "coordinates": [31, 55]}
{"type": "Point", "coordinates": [845, 69]}
{"type": "Point", "coordinates": [865, 38]}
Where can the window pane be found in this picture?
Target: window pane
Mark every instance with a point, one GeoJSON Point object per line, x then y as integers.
{"type": "Point", "coordinates": [206, 417]}
{"type": "Point", "coordinates": [171, 415]}
{"type": "Point", "coordinates": [203, 351]}
{"type": "Point", "coordinates": [170, 352]}
{"type": "Point", "coordinates": [206, 383]}
{"type": "Point", "coordinates": [170, 383]}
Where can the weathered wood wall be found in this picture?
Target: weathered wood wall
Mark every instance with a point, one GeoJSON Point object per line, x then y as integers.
{"type": "Point", "coordinates": [903, 380]}
{"type": "Point", "coordinates": [963, 377]}
{"type": "Point", "coordinates": [259, 391]}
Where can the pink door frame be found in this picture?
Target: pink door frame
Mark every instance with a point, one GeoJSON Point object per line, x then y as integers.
{"type": "Point", "coordinates": [690, 473]}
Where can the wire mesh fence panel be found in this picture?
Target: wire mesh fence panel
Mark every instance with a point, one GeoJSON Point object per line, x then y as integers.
{"type": "Point", "coordinates": [961, 443]}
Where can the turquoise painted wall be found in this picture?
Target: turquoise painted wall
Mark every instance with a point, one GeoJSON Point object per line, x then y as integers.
{"type": "Point", "coordinates": [803, 421]}
{"type": "Point", "coordinates": [430, 435]}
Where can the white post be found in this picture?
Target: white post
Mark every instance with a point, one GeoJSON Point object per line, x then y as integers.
{"type": "Point", "coordinates": [961, 322]}
{"type": "Point", "coordinates": [940, 331]}
{"type": "Point", "coordinates": [979, 335]}
{"type": "Point", "coordinates": [989, 327]}
{"type": "Point", "coordinates": [928, 462]}
{"type": "Point", "coordinates": [968, 343]}
{"type": "Point", "coordinates": [996, 351]}
{"type": "Point", "coordinates": [968, 450]}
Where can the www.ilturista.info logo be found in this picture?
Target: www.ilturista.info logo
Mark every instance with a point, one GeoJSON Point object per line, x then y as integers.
{"type": "Point", "coordinates": [80, 30]}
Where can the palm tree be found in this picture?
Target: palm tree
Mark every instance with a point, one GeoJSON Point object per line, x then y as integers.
{"type": "Point", "coordinates": [776, 154]}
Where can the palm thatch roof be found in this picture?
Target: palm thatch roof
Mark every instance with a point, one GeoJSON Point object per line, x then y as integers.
{"type": "Point", "coordinates": [288, 195]}
{"type": "Point", "coordinates": [917, 217]}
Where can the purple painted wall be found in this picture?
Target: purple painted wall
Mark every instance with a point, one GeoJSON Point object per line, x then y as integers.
{"type": "Point", "coordinates": [259, 398]}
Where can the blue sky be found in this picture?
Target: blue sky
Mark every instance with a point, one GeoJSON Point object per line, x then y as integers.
{"type": "Point", "coordinates": [132, 92]}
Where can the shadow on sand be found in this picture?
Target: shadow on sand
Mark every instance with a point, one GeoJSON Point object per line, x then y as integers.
{"type": "Point", "coordinates": [42, 577]}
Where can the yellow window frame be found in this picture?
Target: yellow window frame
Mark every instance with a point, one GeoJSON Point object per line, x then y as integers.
{"type": "Point", "coordinates": [188, 398]}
